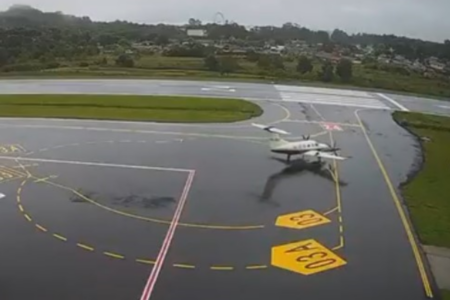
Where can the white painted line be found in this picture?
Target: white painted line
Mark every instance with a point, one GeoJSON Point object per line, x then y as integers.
{"type": "Point", "coordinates": [393, 102]}
{"type": "Point", "coordinates": [444, 106]}
{"type": "Point", "coordinates": [149, 286]}
{"type": "Point", "coordinates": [338, 103]}
{"type": "Point", "coordinates": [86, 163]}
{"type": "Point", "coordinates": [2, 196]}
{"type": "Point", "coordinates": [34, 126]}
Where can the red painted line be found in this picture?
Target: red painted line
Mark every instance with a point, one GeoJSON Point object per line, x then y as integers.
{"type": "Point", "coordinates": [149, 286]}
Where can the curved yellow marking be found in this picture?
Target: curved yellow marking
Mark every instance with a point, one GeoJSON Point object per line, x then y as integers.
{"type": "Point", "coordinates": [286, 117]}
{"type": "Point", "coordinates": [21, 208]}
{"type": "Point", "coordinates": [154, 220]}
{"type": "Point", "coordinates": [145, 261]}
{"type": "Point", "coordinates": [27, 217]}
{"type": "Point", "coordinates": [330, 211]}
{"type": "Point", "coordinates": [222, 268]}
{"type": "Point", "coordinates": [184, 266]}
{"type": "Point", "coordinates": [60, 237]}
{"type": "Point", "coordinates": [256, 267]}
{"type": "Point", "coordinates": [137, 260]}
{"type": "Point", "coordinates": [401, 212]}
{"type": "Point", "coordinates": [41, 228]}
{"type": "Point", "coordinates": [85, 247]}
{"type": "Point", "coordinates": [114, 255]}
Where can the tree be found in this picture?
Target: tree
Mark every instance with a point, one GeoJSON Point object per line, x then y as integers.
{"type": "Point", "coordinates": [327, 72]}
{"type": "Point", "coordinates": [270, 62]}
{"type": "Point", "coordinates": [227, 65]}
{"type": "Point", "coordinates": [304, 65]}
{"type": "Point", "coordinates": [344, 69]}
{"type": "Point", "coordinates": [194, 22]}
{"type": "Point", "coordinates": [125, 61]}
{"type": "Point", "coordinates": [161, 40]}
{"type": "Point", "coordinates": [211, 63]}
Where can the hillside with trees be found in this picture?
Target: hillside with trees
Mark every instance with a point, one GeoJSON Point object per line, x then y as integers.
{"type": "Point", "coordinates": [56, 43]}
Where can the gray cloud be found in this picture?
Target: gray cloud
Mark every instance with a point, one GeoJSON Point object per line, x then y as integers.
{"type": "Point", "coordinates": [414, 18]}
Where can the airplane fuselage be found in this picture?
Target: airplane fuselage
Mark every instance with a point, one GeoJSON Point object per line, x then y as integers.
{"type": "Point", "coordinates": [300, 147]}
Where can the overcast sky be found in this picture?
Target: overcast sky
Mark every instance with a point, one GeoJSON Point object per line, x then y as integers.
{"type": "Point", "coordinates": [426, 19]}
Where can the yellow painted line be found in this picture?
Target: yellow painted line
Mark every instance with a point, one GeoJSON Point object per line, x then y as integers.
{"type": "Point", "coordinates": [19, 190]}
{"type": "Point", "coordinates": [18, 198]}
{"type": "Point", "coordinates": [23, 183]}
{"type": "Point", "coordinates": [27, 217]}
{"type": "Point", "coordinates": [145, 261]}
{"type": "Point", "coordinates": [223, 268]}
{"type": "Point", "coordinates": [401, 212]}
{"type": "Point", "coordinates": [114, 255]}
{"type": "Point", "coordinates": [21, 208]}
{"type": "Point", "coordinates": [41, 228]}
{"type": "Point", "coordinates": [12, 171]}
{"type": "Point", "coordinates": [338, 199]}
{"type": "Point", "coordinates": [60, 237]}
{"type": "Point", "coordinates": [256, 267]}
{"type": "Point", "coordinates": [85, 247]}
{"type": "Point", "coordinates": [23, 168]}
{"type": "Point", "coordinates": [138, 217]}
{"type": "Point", "coordinates": [184, 266]}
{"type": "Point", "coordinates": [27, 166]}
{"type": "Point", "coordinates": [330, 211]}
{"type": "Point", "coordinates": [45, 178]}
{"type": "Point", "coordinates": [337, 247]}
{"type": "Point", "coordinates": [286, 117]}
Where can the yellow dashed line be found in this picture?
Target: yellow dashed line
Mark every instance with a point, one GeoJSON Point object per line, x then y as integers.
{"type": "Point", "coordinates": [184, 266]}
{"type": "Point", "coordinates": [341, 229]}
{"type": "Point", "coordinates": [145, 261]}
{"type": "Point", "coordinates": [19, 190]}
{"type": "Point", "coordinates": [85, 247]}
{"type": "Point", "coordinates": [23, 183]}
{"type": "Point", "coordinates": [27, 217]}
{"type": "Point", "coordinates": [41, 228]}
{"type": "Point", "coordinates": [259, 267]}
{"type": "Point", "coordinates": [114, 255]}
{"type": "Point", "coordinates": [60, 237]}
{"type": "Point", "coordinates": [18, 198]}
{"type": "Point", "coordinates": [218, 268]}
{"type": "Point", "coordinates": [340, 219]}
{"type": "Point", "coordinates": [21, 207]}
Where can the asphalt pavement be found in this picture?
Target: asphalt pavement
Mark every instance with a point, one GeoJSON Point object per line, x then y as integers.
{"type": "Point", "coordinates": [124, 210]}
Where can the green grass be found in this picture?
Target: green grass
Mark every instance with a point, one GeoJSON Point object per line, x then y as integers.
{"type": "Point", "coordinates": [427, 195]}
{"type": "Point", "coordinates": [137, 108]}
{"type": "Point", "coordinates": [157, 66]}
{"type": "Point", "coordinates": [445, 294]}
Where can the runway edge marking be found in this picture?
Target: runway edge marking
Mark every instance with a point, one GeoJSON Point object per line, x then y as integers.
{"type": "Point", "coordinates": [405, 222]}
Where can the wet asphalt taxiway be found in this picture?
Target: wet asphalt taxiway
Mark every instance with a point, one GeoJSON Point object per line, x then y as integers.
{"type": "Point", "coordinates": [91, 209]}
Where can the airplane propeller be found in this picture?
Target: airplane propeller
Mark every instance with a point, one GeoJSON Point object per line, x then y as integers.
{"type": "Point", "coordinates": [335, 149]}
{"type": "Point", "coordinates": [270, 128]}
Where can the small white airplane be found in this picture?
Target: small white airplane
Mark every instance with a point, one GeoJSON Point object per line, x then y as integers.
{"type": "Point", "coordinates": [305, 147]}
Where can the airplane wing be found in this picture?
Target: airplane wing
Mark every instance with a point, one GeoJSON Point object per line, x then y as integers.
{"type": "Point", "coordinates": [316, 153]}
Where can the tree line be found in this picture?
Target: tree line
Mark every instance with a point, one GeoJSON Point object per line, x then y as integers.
{"type": "Point", "coordinates": [108, 33]}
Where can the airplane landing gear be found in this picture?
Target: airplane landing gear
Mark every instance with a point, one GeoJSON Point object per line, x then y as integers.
{"type": "Point", "coordinates": [288, 158]}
